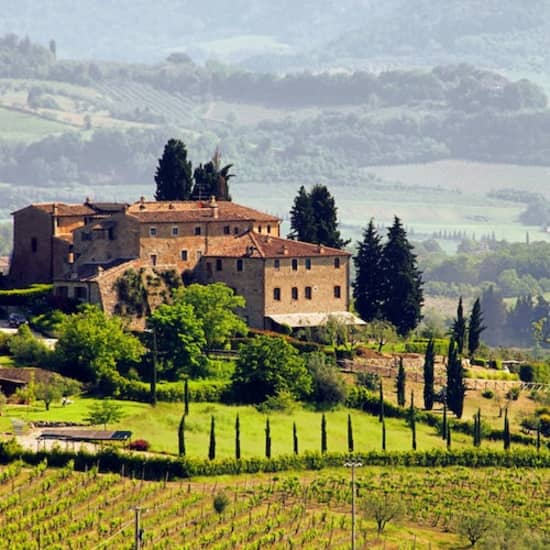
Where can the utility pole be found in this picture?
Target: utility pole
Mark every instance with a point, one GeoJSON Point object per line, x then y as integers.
{"type": "Point", "coordinates": [353, 464]}
{"type": "Point", "coordinates": [138, 533]}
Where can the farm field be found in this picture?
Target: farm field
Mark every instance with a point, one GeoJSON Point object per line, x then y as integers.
{"type": "Point", "coordinates": [18, 126]}
{"type": "Point", "coordinates": [59, 508]}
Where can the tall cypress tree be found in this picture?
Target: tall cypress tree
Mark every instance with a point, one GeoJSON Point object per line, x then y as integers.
{"type": "Point", "coordinates": [367, 287]}
{"type": "Point", "coordinates": [295, 438]}
{"type": "Point", "coordinates": [212, 442]}
{"type": "Point", "coordinates": [412, 419]}
{"type": "Point", "coordinates": [402, 281]}
{"type": "Point", "coordinates": [448, 437]}
{"type": "Point", "coordinates": [444, 423]}
{"type": "Point", "coordinates": [237, 438]}
{"type": "Point", "coordinates": [350, 434]}
{"type": "Point", "coordinates": [459, 328]}
{"type": "Point", "coordinates": [475, 328]}
{"type": "Point", "coordinates": [181, 436]}
{"type": "Point", "coordinates": [302, 218]}
{"type": "Point", "coordinates": [267, 438]}
{"type": "Point", "coordinates": [381, 402]}
{"type": "Point", "coordinates": [383, 434]}
{"type": "Point", "coordinates": [506, 435]}
{"type": "Point", "coordinates": [324, 446]}
{"type": "Point", "coordinates": [174, 174]}
{"type": "Point", "coordinates": [429, 362]}
{"type": "Point", "coordinates": [400, 383]}
{"type": "Point", "coordinates": [456, 389]}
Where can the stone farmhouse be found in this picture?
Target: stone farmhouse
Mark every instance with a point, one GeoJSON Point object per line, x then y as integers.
{"type": "Point", "coordinates": [83, 249]}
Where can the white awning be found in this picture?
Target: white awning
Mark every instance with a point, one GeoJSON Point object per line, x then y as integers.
{"type": "Point", "coordinates": [315, 319]}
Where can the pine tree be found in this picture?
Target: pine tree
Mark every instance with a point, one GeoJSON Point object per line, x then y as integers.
{"type": "Point", "coordinates": [186, 396]}
{"type": "Point", "coordinates": [400, 383]}
{"type": "Point", "coordinates": [402, 281]}
{"type": "Point", "coordinates": [212, 442]}
{"type": "Point", "coordinates": [295, 438]}
{"type": "Point", "coordinates": [350, 434]}
{"type": "Point", "coordinates": [324, 447]}
{"type": "Point", "coordinates": [174, 173]}
{"type": "Point", "coordinates": [181, 436]}
{"type": "Point", "coordinates": [429, 362]}
{"type": "Point", "coordinates": [412, 419]}
{"type": "Point", "coordinates": [475, 328]}
{"type": "Point", "coordinates": [456, 389]}
{"type": "Point", "coordinates": [367, 287]}
{"type": "Point", "coordinates": [237, 438]}
{"type": "Point", "coordinates": [459, 328]}
{"type": "Point", "coordinates": [267, 438]}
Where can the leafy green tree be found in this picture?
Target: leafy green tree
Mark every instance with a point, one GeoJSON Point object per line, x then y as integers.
{"type": "Point", "coordinates": [329, 387]}
{"type": "Point", "coordinates": [174, 173]}
{"type": "Point", "coordinates": [26, 349]}
{"type": "Point", "coordinates": [215, 306]}
{"type": "Point", "coordinates": [266, 366]}
{"type": "Point", "coordinates": [104, 412]}
{"type": "Point", "coordinates": [267, 438]}
{"type": "Point", "coordinates": [402, 288]}
{"type": "Point", "coordinates": [53, 390]}
{"type": "Point", "coordinates": [367, 286]}
{"type": "Point", "coordinates": [180, 338]}
{"type": "Point", "coordinates": [475, 526]}
{"type": "Point", "coordinates": [429, 363]}
{"type": "Point", "coordinates": [459, 328]}
{"type": "Point", "coordinates": [475, 328]}
{"type": "Point", "coordinates": [212, 440]}
{"type": "Point", "coordinates": [313, 218]}
{"type": "Point", "coordinates": [456, 388]}
{"type": "Point", "coordinates": [92, 346]}
{"type": "Point", "coordinates": [400, 383]}
{"type": "Point", "coordinates": [382, 508]}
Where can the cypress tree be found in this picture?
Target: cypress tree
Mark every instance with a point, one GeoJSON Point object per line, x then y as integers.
{"type": "Point", "coordinates": [449, 436]}
{"type": "Point", "coordinates": [323, 433]}
{"type": "Point", "coordinates": [400, 383]}
{"type": "Point", "coordinates": [350, 434]}
{"type": "Point", "coordinates": [478, 423]}
{"type": "Point", "coordinates": [212, 442]}
{"type": "Point", "coordinates": [413, 422]}
{"type": "Point", "coordinates": [506, 435]}
{"type": "Point", "coordinates": [302, 218]}
{"type": "Point", "coordinates": [444, 423]}
{"type": "Point", "coordinates": [186, 396]}
{"type": "Point", "coordinates": [538, 436]}
{"type": "Point", "coordinates": [456, 388]}
{"type": "Point", "coordinates": [367, 287]}
{"type": "Point", "coordinates": [402, 281]}
{"type": "Point", "coordinates": [381, 403]}
{"type": "Point", "coordinates": [429, 362]}
{"type": "Point", "coordinates": [475, 328]}
{"type": "Point", "coordinates": [267, 438]}
{"type": "Point", "coordinates": [237, 438]}
{"type": "Point", "coordinates": [181, 436]}
{"type": "Point", "coordinates": [174, 175]}
{"type": "Point", "coordinates": [383, 434]}
{"type": "Point", "coordinates": [295, 438]}
{"type": "Point", "coordinates": [459, 327]}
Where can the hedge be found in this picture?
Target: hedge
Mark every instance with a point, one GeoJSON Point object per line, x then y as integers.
{"type": "Point", "coordinates": [419, 345]}
{"type": "Point", "coordinates": [164, 467]}
{"type": "Point", "coordinates": [199, 391]}
{"type": "Point", "coordinates": [22, 296]}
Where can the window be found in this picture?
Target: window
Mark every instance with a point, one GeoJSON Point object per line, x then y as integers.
{"type": "Point", "coordinates": [86, 236]}
{"type": "Point", "coordinates": [307, 293]}
{"type": "Point", "coordinates": [111, 234]}
{"type": "Point", "coordinates": [277, 264]}
{"type": "Point", "coordinates": [208, 269]}
{"type": "Point", "coordinates": [337, 263]}
{"type": "Point", "coordinates": [277, 294]}
{"type": "Point", "coordinates": [81, 293]}
{"type": "Point", "coordinates": [294, 292]}
{"type": "Point", "coordinates": [219, 265]}
{"type": "Point", "coordinates": [269, 229]}
{"type": "Point", "coordinates": [259, 229]}
{"type": "Point", "coordinates": [34, 244]}
{"type": "Point", "coordinates": [184, 255]}
{"type": "Point", "coordinates": [152, 232]}
{"type": "Point", "coordinates": [337, 291]}
{"type": "Point", "coordinates": [175, 231]}
{"type": "Point", "coordinates": [226, 230]}
{"type": "Point", "coordinates": [153, 259]}
{"type": "Point", "coordinates": [198, 230]}
{"type": "Point", "coordinates": [239, 265]}
{"type": "Point", "coordinates": [236, 230]}
{"type": "Point", "coordinates": [308, 263]}
{"type": "Point", "coordinates": [294, 264]}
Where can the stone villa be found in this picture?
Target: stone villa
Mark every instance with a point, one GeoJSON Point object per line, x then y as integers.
{"type": "Point", "coordinates": [83, 249]}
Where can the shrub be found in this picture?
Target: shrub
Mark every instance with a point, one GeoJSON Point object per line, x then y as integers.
{"type": "Point", "coordinates": [478, 362]}
{"type": "Point", "coordinates": [329, 387]}
{"type": "Point", "coordinates": [488, 394]}
{"type": "Point", "coordinates": [139, 445]}
{"type": "Point", "coordinates": [513, 393]}
{"type": "Point", "coordinates": [535, 372]}
{"type": "Point", "coordinates": [220, 503]}
{"type": "Point", "coordinates": [26, 349]}
{"type": "Point", "coordinates": [369, 380]}
{"type": "Point", "coordinates": [281, 402]}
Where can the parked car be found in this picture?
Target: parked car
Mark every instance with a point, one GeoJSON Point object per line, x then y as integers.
{"type": "Point", "coordinates": [15, 320]}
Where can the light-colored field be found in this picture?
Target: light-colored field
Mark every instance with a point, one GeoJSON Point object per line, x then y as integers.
{"type": "Point", "coordinates": [17, 126]}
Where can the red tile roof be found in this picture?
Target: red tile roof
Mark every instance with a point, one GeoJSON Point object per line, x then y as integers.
{"type": "Point", "coordinates": [63, 209]}
{"type": "Point", "coordinates": [252, 244]}
{"type": "Point", "coordinates": [191, 211]}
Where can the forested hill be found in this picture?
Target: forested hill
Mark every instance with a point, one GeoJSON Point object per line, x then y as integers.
{"type": "Point", "coordinates": [264, 35]}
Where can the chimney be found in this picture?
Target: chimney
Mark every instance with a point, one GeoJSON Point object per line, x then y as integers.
{"type": "Point", "coordinates": [142, 202]}
{"type": "Point", "coordinates": [285, 250]}
{"type": "Point", "coordinates": [320, 249]}
{"type": "Point", "coordinates": [214, 207]}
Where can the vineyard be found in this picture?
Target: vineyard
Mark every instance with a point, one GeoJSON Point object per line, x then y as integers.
{"type": "Point", "coordinates": [42, 507]}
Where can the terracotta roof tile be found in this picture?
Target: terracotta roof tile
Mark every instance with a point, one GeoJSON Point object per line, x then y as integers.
{"type": "Point", "coordinates": [252, 244]}
{"type": "Point", "coordinates": [184, 211]}
{"type": "Point", "coordinates": [65, 209]}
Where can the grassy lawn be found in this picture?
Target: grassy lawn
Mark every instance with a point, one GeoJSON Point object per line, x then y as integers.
{"type": "Point", "coordinates": [158, 425]}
